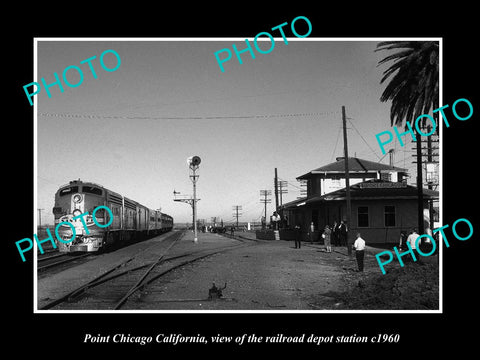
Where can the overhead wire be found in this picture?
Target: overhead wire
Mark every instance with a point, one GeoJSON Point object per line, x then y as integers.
{"type": "Point", "coordinates": [91, 116]}
{"type": "Point", "coordinates": [365, 141]}
{"type": "Point", "coordinates": [336, 143]}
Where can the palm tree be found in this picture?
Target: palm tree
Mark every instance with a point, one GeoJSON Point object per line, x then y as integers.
{"type": "Point", "coordinates": [413, 90]}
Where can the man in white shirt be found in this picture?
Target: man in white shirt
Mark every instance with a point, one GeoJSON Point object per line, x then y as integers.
{"type": "Point", "coordinates": [412, 238]}
{"type": "Point", "coordinates": [359, 246]}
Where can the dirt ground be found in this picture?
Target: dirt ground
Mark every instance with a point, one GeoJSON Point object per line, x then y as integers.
{"type": "Point", "coordinates": [412, 287]}
{"type": "Point", "coordinates": [265, 275]}
{"type": "Point", "coordinates": [273, 275]}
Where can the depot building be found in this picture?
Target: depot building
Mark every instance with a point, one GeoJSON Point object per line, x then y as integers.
{"type": "Point", "coordinates": [382, 204]}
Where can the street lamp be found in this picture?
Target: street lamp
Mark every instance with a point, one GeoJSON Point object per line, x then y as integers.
{"type": "Point", "coordinates": [193, 163]}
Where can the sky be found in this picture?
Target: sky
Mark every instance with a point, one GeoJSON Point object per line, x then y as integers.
{"type": "Point", "coordinates": [132, 130]}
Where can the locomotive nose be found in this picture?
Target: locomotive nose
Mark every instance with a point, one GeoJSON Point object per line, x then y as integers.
{"type": "Point", "coordinates": [77, 198]}
{"type": "Point", "coordinates": [77, 204]}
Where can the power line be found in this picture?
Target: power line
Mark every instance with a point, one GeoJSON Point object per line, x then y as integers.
{"type": "Point", "coordinates": [336, 143]}
{"type": "Point", "coordinates": [291, 184]}
{"type": "Point", "coordinates": [365, 141]}
{"type": "Point", "coordinates": [91, 116]}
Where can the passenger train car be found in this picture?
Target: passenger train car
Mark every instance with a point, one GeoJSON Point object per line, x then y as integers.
{"type": "Point", "coordinates": [131, 220]}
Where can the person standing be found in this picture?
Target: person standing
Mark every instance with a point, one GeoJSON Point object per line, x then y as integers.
{"type": "Point", "coordinates": [335, 233]}
{"type": "Point", "coordinates": [359, 247]}
{"type": "Point", "coordinates": [403, 236]}
{"type": "Point", "coordinates": [342, 229]}
{"type": "Point", "coordinates": [412, 239]}
{"type": "Point", "coordinates": [327, 239]}
{"type": "Point", "coordinates": [298, 237]}
{"type": "Point", "coordinates": [312, 229]}
{"type": "Point", "coordinates": [275, 219]}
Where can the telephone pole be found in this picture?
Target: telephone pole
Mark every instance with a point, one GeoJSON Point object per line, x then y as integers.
{"type": "Point", "coordinates": [430, 181]}
{"type": "Point", "coordinates": [265, 200]}
{"type": "Point", "coordinates": [276, 189]}
{"type": "Point", "coordinates": [40, 217]}
{"type": "Point", "coordinates": [421, 227]}
{"type": "Point", "coordinates": [347, 180]}
{"type": "Point", "coordinates": [282, 189]}
{"type": "Point", "coordinates": [419, 161]}
{"type": "Point", "coordinates": [237, 208]}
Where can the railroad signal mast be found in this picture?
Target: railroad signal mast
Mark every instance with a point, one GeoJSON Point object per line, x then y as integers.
{"type": "Point", "coordinates": [193, 164]}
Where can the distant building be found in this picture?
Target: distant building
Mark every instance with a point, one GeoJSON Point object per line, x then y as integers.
{"type": "Point", "coordinates": [383, 204]}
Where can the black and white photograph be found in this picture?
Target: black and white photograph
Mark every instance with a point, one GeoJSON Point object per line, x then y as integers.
{"type": "Point", "coordinates": [231, 182]}
{"type": "Point", "coordinates": [206, 179]}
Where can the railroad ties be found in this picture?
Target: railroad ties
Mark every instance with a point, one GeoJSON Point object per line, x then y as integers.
{"type": "Point", "coordinates": [122, 283]}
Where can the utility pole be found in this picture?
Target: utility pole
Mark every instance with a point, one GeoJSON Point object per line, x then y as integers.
{"type": "Point", "coordinates": [421, 227]}
{"type": "Point", "coordinates": [419, 155]}
{"type": "Point", "coordinates": [347, 181]}
{"type": "Point", "coordinates": [265, 200]}
{"type": "Point", "coordinates": [282, 189]}
{"type": "Point", "coordinates": [419, 161]}
{"type": "Point", "coordinates": [40, 217]}
{"type": "Point", "coordinates": [276, 189]}
{"type": "Point", "coordinates": [430, 160]}
{"type": "Point", "coordinates": [237, 208]}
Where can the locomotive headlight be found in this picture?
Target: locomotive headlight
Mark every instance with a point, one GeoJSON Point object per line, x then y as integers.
{"type": "Point", "coordinates": [76, 212]}
{"type": "Point", "coordinates": [77, 198]}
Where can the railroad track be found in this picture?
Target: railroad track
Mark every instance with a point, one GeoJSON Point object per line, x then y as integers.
{"type": "Point", "coordinates": [112, 289]}
{"type": "Point", "coordinates": [52, 261]}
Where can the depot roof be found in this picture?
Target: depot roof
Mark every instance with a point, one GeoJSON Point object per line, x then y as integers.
{"type": "Point", "coordinates": [355, 165]}
{"type": "Point", "coordinates": [367, 190]}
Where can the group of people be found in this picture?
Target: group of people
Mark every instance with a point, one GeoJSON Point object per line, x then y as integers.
{"type": "Point", "coordinates": [338, 234]}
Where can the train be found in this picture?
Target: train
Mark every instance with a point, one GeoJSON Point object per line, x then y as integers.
{"type": "Point", "coordinates": [131, 220]}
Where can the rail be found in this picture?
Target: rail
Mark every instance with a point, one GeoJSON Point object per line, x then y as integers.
{"type": "Point", "coordinates": [142, 279]}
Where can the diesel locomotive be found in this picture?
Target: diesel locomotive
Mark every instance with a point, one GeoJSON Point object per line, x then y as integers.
{"type": "Point", "coordinates": [131, 220]}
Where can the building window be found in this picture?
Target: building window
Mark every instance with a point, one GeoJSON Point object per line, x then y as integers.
{"type": "Point", "coordinates": [362, 216]}
{"type": "Point", "coordinates": [386, 176]}
{"type": "Point", "coordinates": [389, 212]}
{"type": "Point", "coordinates": [335, 181]}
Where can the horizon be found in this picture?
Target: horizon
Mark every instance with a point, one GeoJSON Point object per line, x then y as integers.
{"type": "Point", "coordinates": [132, 130]}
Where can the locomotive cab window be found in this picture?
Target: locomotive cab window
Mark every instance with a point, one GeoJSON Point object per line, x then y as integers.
{"type": "Point", "coordinates": [92, 190]}
{"type": "Point", "coordinates": [69, 190]}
